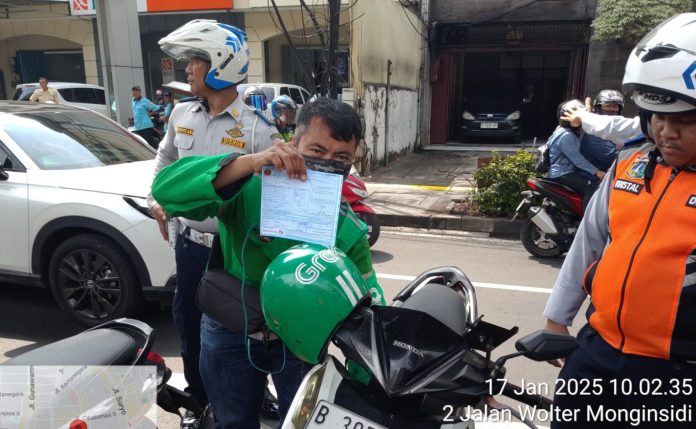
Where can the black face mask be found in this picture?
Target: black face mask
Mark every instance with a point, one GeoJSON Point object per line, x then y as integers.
{"type": "Point", "coordinates": [328, 165]}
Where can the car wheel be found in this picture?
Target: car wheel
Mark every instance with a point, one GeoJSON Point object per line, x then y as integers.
{"type": "Point", "coordinates": [372, 223]}
{"type": "Point", "coordinates": [537, 242]}
{"type": "Point", "coordinates": [92, 280]}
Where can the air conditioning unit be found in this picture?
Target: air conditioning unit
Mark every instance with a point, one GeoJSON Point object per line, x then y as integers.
{"type": "Point", "coordinates": [348, 96]}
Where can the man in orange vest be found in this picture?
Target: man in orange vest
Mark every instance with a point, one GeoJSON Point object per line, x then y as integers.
{"type": "Point", "coordinates": [635, 255]}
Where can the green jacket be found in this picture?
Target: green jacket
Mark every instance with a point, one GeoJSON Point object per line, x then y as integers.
{"type": "Point", "coordinates": [185, 188]}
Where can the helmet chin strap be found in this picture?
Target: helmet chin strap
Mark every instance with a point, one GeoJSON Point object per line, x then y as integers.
{"type": "Point", "coordinates": [645, 126]}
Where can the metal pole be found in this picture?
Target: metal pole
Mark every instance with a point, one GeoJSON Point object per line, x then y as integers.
{"type": "Point", "coordinates": [329, 78]}
{"type": "Point", "coordinates": [386, 114]}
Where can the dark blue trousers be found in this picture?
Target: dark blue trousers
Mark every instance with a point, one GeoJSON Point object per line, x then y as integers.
{"type": "Point", "coordinates": [191, 261]}
{"type": "Point", "coordinates": [609, 389]}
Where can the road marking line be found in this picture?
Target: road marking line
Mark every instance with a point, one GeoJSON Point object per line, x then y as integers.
{"type": "Point", "coordinates": [476, 284]}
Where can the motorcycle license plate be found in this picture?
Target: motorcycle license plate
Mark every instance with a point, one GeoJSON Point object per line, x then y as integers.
{"type": "Point", "coordinates": [329, 416]}
{"type": "Point", "coordinates": [492, 125]}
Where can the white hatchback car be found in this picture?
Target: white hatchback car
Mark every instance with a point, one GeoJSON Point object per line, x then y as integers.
{"type": "Point", "coordinates": [73, 187]}
{"type": "Point", "coordinates": [70, 93]}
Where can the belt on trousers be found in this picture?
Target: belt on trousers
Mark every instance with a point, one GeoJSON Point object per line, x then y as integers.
{"type": "Point", "coordinates": [202, 238]}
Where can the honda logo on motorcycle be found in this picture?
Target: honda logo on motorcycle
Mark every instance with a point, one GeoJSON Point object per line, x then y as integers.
{"type": "Point", "coordinates": [408, 347]}
{"type": "Point", "coordinates": [625, 185]}
{"type": "Point", "coordinates": [692, 201]}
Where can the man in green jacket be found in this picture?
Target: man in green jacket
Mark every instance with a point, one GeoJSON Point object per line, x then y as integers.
{"type": "Point", "coordinates": [228, 186]}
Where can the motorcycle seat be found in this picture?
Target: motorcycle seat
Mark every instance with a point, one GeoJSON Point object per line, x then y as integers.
{"type": "Point", "coordinates": [443, 304]}
{"type": "Point", "coordinates": [98, 347]}
{"type": "Point", "coordinates": [552, 182]}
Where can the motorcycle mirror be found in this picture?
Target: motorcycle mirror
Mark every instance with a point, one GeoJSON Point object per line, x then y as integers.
{"type": "Point", "coordinates": [546, 345]}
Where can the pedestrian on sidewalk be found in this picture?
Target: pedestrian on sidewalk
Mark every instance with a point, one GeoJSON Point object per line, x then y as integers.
{"type": "Point", "coordinates": [142, 120]}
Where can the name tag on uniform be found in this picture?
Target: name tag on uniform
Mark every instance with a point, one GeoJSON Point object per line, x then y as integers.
{"type": "Point", "coordinates": [241, 144]}
{"type": "Point", "coordinates": [627, 186]}
{"type": "Point", "coordinates": [186, 131]}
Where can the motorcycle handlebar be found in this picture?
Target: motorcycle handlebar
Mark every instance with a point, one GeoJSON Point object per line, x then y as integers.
{"type": "Point", "coordinates": [514, 392]}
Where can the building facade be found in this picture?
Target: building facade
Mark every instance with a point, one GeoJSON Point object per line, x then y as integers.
{"type": "Point", "coordinates": [536, 50]}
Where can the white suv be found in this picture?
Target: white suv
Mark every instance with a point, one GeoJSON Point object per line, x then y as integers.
{"type": "Point", "coordinates": [72, 94]}
{"type": "Point", "coordinates": [73, 188]}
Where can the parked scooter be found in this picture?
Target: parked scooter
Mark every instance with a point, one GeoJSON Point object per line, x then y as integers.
{"type": "Point", "coordinates": [555, 212]}
{"type": "Point", "coordinates": [355, 192]}
{"type": "Point", "coordinates": [429, 355]}
{"type": "Point", "coordinates": [125, 342]}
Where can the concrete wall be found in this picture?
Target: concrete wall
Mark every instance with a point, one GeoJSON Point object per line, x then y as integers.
{"type": "Point", "coordinates": [381, 31]}
{"type": "Point", "coordinates": [386, 143]}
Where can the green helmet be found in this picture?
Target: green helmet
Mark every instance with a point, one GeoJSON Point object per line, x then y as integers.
{"type": "Point", "coordinates": [306, 292]}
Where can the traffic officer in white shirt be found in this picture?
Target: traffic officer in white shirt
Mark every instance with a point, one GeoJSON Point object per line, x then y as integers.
{"type": "Point", "coordinates": [215, 121]}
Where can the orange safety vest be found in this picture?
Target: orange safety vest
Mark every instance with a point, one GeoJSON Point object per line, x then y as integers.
{"type": "Point", "coordinates": [643, 287]}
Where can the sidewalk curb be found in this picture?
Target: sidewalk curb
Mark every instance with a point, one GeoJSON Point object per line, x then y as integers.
{"type": "Point", "coordinates": [496, 227]}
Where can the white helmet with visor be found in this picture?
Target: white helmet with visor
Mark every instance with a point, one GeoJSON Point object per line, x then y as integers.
{"type": "Point", "coordinates": [223, 45]}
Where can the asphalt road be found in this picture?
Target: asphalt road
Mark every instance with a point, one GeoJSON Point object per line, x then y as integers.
{"type": "Point", "coordinates": [512, 288]}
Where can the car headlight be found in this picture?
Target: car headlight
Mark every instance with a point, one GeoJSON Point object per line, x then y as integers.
{"type": "Point", "coordinates": [513, 116]}
{"type": "Point", "coordinates": [308, 395]}
{"type": "Point", "coordinates": [140, 204]}
{"type": "Point", "coordinates": [468, 116]}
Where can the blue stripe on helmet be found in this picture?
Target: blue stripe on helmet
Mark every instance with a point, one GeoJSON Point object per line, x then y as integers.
{"type": "Point", "coordinates": [215, 83]}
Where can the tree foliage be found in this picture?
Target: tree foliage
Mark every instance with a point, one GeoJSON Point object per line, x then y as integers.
{"type": "Point", "coordinates": [630, 20]}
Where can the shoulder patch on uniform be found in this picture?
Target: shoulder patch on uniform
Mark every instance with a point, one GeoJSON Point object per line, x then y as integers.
{"type": "Point", "coordinates": [628, 186]}
{"type": "Point", "coordinates": [235, 132]}
{"type": "Point", "coordinates": [184, 130]}
{"type": "Point", "coordinates": [637, 169]}
{"type": "Point", "coordinates": [692, 201]}
{"type": "Point", "coordinates": [241, 144]}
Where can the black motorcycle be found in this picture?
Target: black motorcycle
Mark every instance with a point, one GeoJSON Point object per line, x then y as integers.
{"type": "Point", "coordinates": [429, 360]}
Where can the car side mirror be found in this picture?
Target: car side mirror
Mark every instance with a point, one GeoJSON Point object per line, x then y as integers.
{"type": "Point", "coordinates": [546, 345]}
{"type": "Point", "coordinates": [3, 175]}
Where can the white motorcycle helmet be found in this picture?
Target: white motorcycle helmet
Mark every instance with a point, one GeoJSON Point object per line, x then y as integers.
{"type": "Point", "coordinates": [661, 70]}
{"type": "Point", "coordinates": [224, 45]}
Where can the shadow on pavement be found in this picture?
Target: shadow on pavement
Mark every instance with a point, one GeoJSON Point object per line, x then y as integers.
{"type": "Point", "coordinates": [378, 256]}
{"type": "Point", "coordinates": [551, 262]}
{"type": "Point", "coordinates": [31, 314]}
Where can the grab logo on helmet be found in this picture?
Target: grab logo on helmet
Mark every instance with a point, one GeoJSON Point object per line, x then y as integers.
{"type": "Point", "coordinates": [309, 274]}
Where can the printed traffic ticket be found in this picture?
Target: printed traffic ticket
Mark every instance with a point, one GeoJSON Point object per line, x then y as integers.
{"type": "Point", "coordinates": [300, 210]}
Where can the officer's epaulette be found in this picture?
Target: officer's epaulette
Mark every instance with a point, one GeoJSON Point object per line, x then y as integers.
{"type": "Point", "coordinates": [263, 117]}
